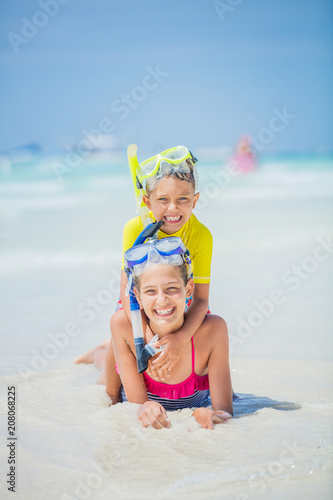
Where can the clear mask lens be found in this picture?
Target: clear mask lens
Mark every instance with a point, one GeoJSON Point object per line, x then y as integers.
{"type": "Point", "coordinates": [174, 154]}
{"type": "Point", "coordinates": [148, 166]}
{"type": "Point", "coordinates": [169, 245]}
{"type": "Point", "coordinates": [136, 253]}
{"type": "Point", "coordinates": [164, 251]}
{"type": "Point", "coordinates": [155, 258]}
{"type": "Point", "coordinates": [167, 168]}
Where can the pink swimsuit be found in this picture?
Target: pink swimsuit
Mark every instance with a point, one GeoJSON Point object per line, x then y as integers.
{"type": "Point", "coordinates": [192, 392]}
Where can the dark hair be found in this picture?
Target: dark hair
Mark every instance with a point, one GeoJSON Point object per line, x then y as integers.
{"type": "Point", "coordinates": [183, 273]}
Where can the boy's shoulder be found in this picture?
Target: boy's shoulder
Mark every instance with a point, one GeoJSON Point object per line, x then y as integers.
{"type": "Point", "coordinates": [134, 224]}
{"type": "Point", "coordinates": [199, 228]}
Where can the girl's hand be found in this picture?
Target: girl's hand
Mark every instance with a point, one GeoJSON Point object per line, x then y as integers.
{"type": "Point", "coordinates": [153, 414]}
{"type": "Point", "coordinates": [207, 417]}
{"type": "Point", "coordinates": [173, 346]}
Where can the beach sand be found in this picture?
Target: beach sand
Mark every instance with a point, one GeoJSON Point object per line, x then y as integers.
{"type": "Point", "coordinates": [272, 282]}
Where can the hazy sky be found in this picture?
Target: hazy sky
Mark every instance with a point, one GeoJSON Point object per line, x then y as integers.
{"type": "Point", "coordinates": [166, 72]}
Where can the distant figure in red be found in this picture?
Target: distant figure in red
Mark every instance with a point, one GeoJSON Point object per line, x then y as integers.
{"type": "Point", "coordinates": [244, 157]}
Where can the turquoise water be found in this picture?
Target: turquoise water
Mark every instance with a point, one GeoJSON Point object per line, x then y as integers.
{"type": "Point", "coordinates": [60, 257]}
{"type": "Point", "coordinates": [61, 240]}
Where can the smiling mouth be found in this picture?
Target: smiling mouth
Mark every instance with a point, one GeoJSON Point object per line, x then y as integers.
{"type": "Point", "coordinates": [164, 312]}
{"type": "Point", "coordinates": [173, 219]}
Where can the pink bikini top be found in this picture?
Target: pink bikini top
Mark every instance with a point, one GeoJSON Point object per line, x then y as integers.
{"type": "Point", "coordinates": [184, 389]}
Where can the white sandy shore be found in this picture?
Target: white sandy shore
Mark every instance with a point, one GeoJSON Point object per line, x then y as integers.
{"type": "Point", "coordinates": [277, 446]}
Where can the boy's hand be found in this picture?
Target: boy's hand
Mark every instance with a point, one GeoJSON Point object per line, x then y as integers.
{"type": "Point", "coordinates": [152, 414]}
{"type": "Point", "coordinates": [173, 346]}
{"type": "Point", "coordinates": [206, 417]}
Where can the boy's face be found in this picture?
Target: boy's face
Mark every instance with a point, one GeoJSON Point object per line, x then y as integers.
{"type": "Point", "coordinates": [172, 201]}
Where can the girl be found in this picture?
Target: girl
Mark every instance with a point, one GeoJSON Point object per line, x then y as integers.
{"type": "Point", "coordinates": [162, 285]}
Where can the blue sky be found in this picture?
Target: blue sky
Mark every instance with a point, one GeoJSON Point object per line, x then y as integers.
{"type": "Point", "coordinates": [223, 75]}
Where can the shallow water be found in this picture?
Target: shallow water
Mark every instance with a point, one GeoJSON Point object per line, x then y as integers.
{"type": "Point", "coordinates": [60, 255]}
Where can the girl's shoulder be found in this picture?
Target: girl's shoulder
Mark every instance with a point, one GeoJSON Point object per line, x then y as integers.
{"type": "Point", "coordinates": [213, 329]}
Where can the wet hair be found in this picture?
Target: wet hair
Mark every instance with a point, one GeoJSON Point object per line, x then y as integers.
{"type": "Point", "coordinates": [152, 182]}
{"type": "Point", "coordinates": [182, 270]}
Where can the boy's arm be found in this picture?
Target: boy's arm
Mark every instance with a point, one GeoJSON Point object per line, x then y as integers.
{"type": "Point", "coordinates": [177, 341]}
{"type": "Point", "coordinates": [197, 311]}
{"type": "Point", "coordinates": [202, 250]}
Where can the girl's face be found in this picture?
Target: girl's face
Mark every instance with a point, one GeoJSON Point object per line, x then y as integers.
{"type": "Point", "coordinates": [163, 296]}
{"type": "Point", "coordinates": [172, 201]}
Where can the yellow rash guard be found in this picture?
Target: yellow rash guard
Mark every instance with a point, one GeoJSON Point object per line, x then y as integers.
{"type": "Point", "coordinates": [196, 237]}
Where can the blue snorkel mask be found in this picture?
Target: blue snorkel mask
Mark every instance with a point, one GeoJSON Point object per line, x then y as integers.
{"type": "Point", "coordinates": [170, 251]}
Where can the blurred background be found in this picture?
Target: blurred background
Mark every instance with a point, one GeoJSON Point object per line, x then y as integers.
{"type": "Point", "coordinates": [217, 70]}
{"type": "Point", "coordinates": [232, 80]}
{"type": "Point", "coordinates": [242, 83]}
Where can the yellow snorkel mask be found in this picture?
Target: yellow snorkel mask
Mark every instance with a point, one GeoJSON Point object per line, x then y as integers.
{"type": "Point", "coordinates": [178, 160]}
{"type": "Point", "coordinates": [175, 157]}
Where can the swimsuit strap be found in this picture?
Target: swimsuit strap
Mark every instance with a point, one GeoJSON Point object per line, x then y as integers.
{"type": "Point", "coordinates": [193, 355]}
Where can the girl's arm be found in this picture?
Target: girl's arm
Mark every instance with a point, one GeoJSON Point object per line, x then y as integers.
{"type": "Point", "coordinates": [132, 381]}
{"type": "Point", "coordinates": [219, 376]}
{"type": "Point", "coordinates": [218, 367]}
{"type": "Point", "coordinates": [125, 300]}
{"type": "Point", "coordinates": [150, 413]}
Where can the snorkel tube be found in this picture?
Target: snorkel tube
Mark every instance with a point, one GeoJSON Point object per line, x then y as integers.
{"type": "Point", "coordinates": [143, 351]}
{"type": "Point", "coordinates": [138, 188]}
